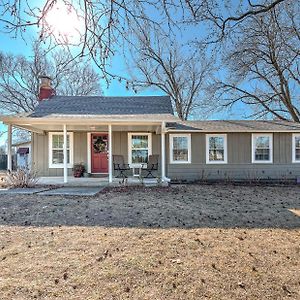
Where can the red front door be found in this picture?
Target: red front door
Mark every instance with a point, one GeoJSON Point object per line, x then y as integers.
{"type": "Point", "coordinates": [99, 152]}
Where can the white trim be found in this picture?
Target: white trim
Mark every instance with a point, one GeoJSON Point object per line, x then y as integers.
{"type": "Point", "coordinates": [163, 151]}
{"type": "Point", "coordinates": [9, 147]}
{"type": "Point", "coordinates": [188, 136]}
{"type": "Point", "coordinates": [89, 156]}
{"type": "Point", "coordinates": [60, 166]}
{"type": "Point", "coordinates": [110, 162]}
{"type": "Point", "coordinates": [130, 134]}
{"type": "Point", "coordinates": [65, 150]}
{"type": "Point", "coordinates": [231, 131]}
{"type": "Point", "coordinates": [93, 173]}
{"type": "Point", "coordinates": [208, 161]}
{"type": "Point", "coordinates": [254, 136]}
{"type": "Point", "coordinates": [85, 119]}
{"type": "Point", "coordinates": [294, 160]}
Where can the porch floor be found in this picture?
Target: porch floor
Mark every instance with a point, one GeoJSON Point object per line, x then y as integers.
{"type": "Point", "coordinates": [89, 181]}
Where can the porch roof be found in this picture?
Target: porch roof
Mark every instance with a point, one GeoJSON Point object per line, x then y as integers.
{"type": "Point", "coordinates": [100, 105]}
{"type": "Point", "coordinates": [82, 112]}
{"type": "Point", "coordinates": [87, 122]}
{"type": "Point", "coordinates": [233, 126]}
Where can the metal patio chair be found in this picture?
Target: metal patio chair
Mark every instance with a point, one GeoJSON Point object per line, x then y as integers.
{"type": "Point", "coordinates": [120, 166]}
{"type": "Point", "coordinates": [152, 165]}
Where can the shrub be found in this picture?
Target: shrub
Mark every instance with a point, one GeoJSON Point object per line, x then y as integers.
{"type": "Point", "coordinates": [22, 177]}
{"type": "Point", "coordinates": [2, 179]}
{"type": "Point", "coordinates": [78, 170]}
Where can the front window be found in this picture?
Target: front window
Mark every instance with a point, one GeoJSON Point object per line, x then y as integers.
{"type": "Point", "coordinates": [180, 148]}
{"type": "Point", "coordinates": [296, 148]}
{"type": "Point", "coordinates": [56, 150]}
{"type": "Point", "coordinates": [216, 148]}
{"type": "Point", "coordinates": [262, 148]}
{"type": "Point", "coordinates": [139, 148]}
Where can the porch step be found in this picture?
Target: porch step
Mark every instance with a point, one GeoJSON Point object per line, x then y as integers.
{"type": "Point", "coordinates": [148, 182]}
{"type": "Point", "coordinates": [98, 176]}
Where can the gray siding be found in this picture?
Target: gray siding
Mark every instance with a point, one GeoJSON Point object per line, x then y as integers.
{"type": "Point", "coordinates": [239, 157]}
{"type": "Point", "coordinates": [239, 164]}
{"type": "Point", "coordinates": [239, 148]}
{"type": "Point", "coordinates": [120, 144]}
{"type": "Point", "coordinates": [40, 151]}
{"type": "Point", "coordinates": [80, 147]}
{"type": "Point", "coordinates": [282, 148]}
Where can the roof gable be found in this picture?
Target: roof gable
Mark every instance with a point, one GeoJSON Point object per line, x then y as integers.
{"type": "Point", "coordinates": [100, 105]}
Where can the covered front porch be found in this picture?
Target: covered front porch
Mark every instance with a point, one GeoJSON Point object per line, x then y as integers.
{"type": "Point", "coordinates": [57, 146]}
{"type": "Point", "coordinates": [97, 182]}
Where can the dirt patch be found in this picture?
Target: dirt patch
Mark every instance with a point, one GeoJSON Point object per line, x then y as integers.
{"type": "Point", "coordinates": [189, 206]}
{"type": "Point", "coordinates": [191, 242]}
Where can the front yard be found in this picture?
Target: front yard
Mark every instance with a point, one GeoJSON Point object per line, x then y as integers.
{"type": "Point", "coordinates": [188, 242]}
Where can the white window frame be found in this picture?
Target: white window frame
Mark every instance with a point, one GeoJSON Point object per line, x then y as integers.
{"type": "Point", "coordinates": [208, 161]}
{"type": "Point", "coordinates": [130, 134]}
{"type": "Point", "coordinates": [254, 136]}
{"type": "Point", "coordinates": [294, 160]}
{"type": "Point", "coordinates": [188, 136]}
{"type": "Point", "coordinates": [71, 149]}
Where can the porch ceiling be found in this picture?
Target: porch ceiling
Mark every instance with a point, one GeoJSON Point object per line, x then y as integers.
{"type": "Point", "coordinates": [41, 128]}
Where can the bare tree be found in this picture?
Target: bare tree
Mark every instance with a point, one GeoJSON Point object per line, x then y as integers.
{"type": "Point", "coordinates": [160, 62]}
{"type": "Point", "coordinates": [19, 78]}
{"type": "Point", "coordinates": [263, 66]}
{"type": "Point", "coordinates": [73, 77]}
{"type": "Point", "coordinates": [107, 23]}
{"type": "Point", "coordinates": [224, 16]}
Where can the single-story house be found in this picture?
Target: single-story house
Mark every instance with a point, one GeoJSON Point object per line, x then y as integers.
{"type": "Point", "coordinates": [90, 130]}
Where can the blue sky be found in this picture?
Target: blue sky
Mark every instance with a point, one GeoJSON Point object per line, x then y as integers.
{"type": "Point", "coordinates": [19, 46]}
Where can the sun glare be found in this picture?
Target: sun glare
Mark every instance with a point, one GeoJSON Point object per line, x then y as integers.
{"type": "Point", "coordinates": [63, 23]}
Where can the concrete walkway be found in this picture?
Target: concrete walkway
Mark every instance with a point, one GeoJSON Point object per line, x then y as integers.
{"type": "Point", "coordinates": [48, 186]}
{"type": "Point", "coordinates": [85, 182]}
{"type": "Point", "coordinates": [23, 191]}
{"type": "Point", "coordinates": [73, 191]}
{"type": "Point", "coordinates": [61, 191]}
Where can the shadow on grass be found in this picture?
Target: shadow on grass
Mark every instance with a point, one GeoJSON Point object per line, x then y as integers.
{"type": "Point", "coordinates": [193, 206]}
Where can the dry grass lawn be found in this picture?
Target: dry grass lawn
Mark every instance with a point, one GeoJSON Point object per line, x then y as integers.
{"type": "Point", "coordinates": [189, 242]}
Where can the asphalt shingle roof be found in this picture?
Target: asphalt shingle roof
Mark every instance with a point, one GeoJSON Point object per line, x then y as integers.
{"type": "Point", "coordinates": [146, 108]}
{"type": "Point", "coordinates": [234, 126]}
{"type": "Point", "coordinates": [99, 105]}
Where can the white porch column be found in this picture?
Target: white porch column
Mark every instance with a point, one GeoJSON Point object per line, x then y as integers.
{"type": "Point", "coordinates": [9, 150]}
{"type": "Point", "coordinates": [65, 155]}
{"type": "Point", "coordinates": [163, 152]}
{"type": "Point", "coordinates": [110, 162]}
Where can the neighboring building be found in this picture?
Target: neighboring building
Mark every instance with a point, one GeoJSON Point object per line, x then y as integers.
{"type": "Point", "coordinates": [95, 128]}
{"type": "Point", "coordinates": [23, 154]}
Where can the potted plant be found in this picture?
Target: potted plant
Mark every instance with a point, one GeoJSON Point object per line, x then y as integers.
{"type": "Point", "coordinates": [78, 170]}
{"type": "Point", "coordinates": [86, 174]}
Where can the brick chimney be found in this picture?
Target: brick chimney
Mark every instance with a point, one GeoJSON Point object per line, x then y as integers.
{"type": "Point", "coordinates": [46, 90]}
